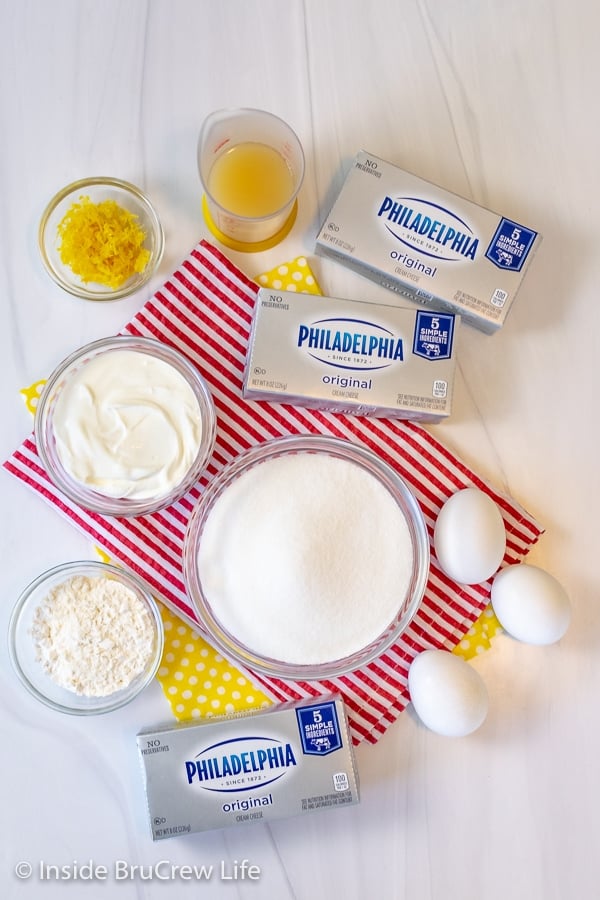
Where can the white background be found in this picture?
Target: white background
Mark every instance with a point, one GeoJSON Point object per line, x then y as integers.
{"type": "Point", "coordinates": [496, 101]}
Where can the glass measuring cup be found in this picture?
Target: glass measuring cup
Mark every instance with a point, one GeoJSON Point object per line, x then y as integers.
{"type": "Point", "coordinates": [251, 166]}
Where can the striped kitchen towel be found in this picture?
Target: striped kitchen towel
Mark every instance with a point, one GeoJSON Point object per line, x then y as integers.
{"type": "Point", "coordinates": [205, 311]}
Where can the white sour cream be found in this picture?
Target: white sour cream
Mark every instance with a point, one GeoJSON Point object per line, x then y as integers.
{"type": "Point", "coordinates": [127, 425]}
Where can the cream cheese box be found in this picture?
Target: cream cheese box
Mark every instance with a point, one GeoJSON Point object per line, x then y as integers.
{"type": "Point", "coordinates": [285, 760]}
{"type": "Point", "coordinates": [351, 356]}
{"type": "Point", "coordinates": [428, 244]}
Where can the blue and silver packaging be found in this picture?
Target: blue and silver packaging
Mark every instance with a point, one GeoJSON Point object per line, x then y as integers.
{"type": "Point", "coordinates": [269, 764]}
{"type": "Point", "coordinates": [350, 356]}
{"type": "Point", "coordinates": [428, 244]}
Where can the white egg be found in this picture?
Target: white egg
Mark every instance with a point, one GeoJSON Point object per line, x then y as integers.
{"type": "Point", "coordinates": [531, 604]}
{"type": "Point", "coordinates": [448, 695]}
{"type": "Point", "coordinates": [469, 537]}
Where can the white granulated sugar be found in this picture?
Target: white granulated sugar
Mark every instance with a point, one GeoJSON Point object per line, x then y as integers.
{"type": "Point", "coordinates": [93, 635]}
{"type": "Point", "coordinates": [306, 558]}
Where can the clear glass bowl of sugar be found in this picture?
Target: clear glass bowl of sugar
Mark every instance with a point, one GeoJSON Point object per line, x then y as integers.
{"type": "Point", "coordinates": [86, 637]}
{"type": "Point", "coordinates": [306, 557]}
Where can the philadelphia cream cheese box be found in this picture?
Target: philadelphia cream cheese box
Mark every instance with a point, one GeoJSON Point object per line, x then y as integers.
{"type": "Point", "coordinates": [282, 761]}
{"type": "Point", "coordinates": [426, 243]}
{"type": "Point", "coordinates": [351, 356]}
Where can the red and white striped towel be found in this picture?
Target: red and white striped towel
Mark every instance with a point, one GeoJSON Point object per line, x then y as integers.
{"type": "Point", "coordinates": [205, 311]}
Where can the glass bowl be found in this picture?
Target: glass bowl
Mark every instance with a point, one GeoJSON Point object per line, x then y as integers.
{"type": "Point", "coordinates": [99, 189]}
{"type": "Point", "coordinates": [85, 495]}
{"type": "Point", "coordinates": [408, 602]}
{"type": "Point", "coordinates": [23, 649]}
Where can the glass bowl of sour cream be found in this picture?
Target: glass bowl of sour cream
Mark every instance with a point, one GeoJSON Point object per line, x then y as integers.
{"type": "Point", "coordinates": [306, 557]}
{"type": "Point", "coordinates": [86, 637]}
{"type": "Point", "coordinates": [125, 426]}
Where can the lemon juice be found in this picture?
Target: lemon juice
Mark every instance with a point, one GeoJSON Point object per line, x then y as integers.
{"type": "Point", "coordinates": [251, 180]}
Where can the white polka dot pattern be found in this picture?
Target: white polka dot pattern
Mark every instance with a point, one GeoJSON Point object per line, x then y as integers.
{"type": "Point", "coordinates": [197, 681]}
{"type": "Point", "coordinates": [295, 275]}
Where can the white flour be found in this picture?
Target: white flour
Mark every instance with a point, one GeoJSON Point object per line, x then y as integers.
{"type": "Point", "coordinates": [93, 635]}
{"type": "Point", "coordinates": [306, 558]}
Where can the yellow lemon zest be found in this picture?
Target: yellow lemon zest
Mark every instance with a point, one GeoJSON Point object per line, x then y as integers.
{"type": "Point", "coordinates": [102, 242]}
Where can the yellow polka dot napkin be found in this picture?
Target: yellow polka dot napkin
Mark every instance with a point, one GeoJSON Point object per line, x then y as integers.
{"type": "Point", "coordinates": [196, 680]}
{"type": "Point", "coordinates": [31, 395]}
{"type": "Point", "coordinates": [295, 275]}
{"type": "Point", "coordinates": [478, 638]}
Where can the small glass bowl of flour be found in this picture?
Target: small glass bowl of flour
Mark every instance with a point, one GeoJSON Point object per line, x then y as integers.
{"type": "Point", "coordinates": [125, 426]}
{"type": "Point", "coordinates": [86, 638]}
{"type": "Point", "coordinates": [306, 557]}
